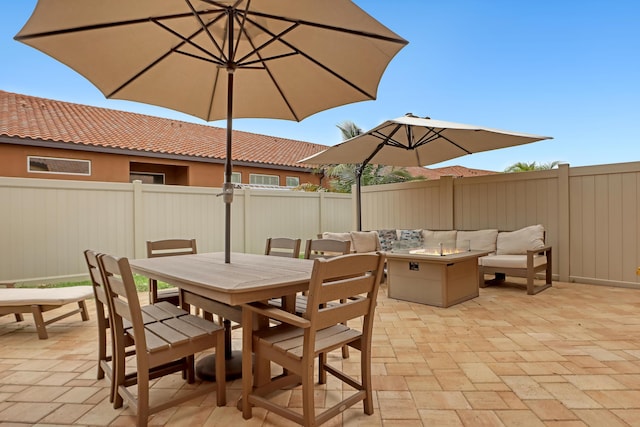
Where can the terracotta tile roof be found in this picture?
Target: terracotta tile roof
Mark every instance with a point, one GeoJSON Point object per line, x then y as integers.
{"type": "Point", "coordinates": [463, 171]}
{"type": "Point", "coordinates": [29, 117]}
{"type": "Point", "coordinates": [459, 171]}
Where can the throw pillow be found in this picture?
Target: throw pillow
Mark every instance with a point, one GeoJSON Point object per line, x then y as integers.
{"type": "Point", "coordinates": [411, 238]}
{"type": "Point", "coordinates": [387, 237]}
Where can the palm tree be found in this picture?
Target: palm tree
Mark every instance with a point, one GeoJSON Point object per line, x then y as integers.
{"type": "Point", "coordinates": [533, 166]}
{"type": "Point", "coordinates": [345, 175]}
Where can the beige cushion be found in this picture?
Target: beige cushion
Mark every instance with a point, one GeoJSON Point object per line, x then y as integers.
{"type": "Point", "coordinates": [434, 238]}
{"type": "Point", "coordinates": [511, 261]}
{"type": "Point", "coordinates": [339, 236]}
{"type": "Point", "coordinates": [520, 241]}
{"type": "Point", "coordinates": [365, 241]}
{"type": "Point", "coordinates": [13, 297]}
{"type": "Point", "coordinates": [479, 240]}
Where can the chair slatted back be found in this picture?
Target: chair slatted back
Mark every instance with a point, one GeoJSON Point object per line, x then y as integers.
{"type": "Point", "coordinates": [171, 247]}
{"type": "Point", "coordinates": [95, 275]}
{"type": "Point", "coordinates": [123, 297]}
{"type": "Point", "coordinates": [326, 248]}
{"type": "Point", "coordinates": [353, 279]}
{"type": "Point", "coordinates": [283, 246]}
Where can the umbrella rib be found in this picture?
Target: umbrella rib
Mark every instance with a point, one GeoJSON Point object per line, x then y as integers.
{"type": "Point", "coordinates": [329, 27]}
{"type": "Point", "coordinates": [433, 136]}
{"type": "Point", "coordinates": [100, 26]}
{"type": "Point", "coordinates": [205, 28]}
{"type": "Point", "coordinates": [274, 38]}
{"type": "Point", "coordinates": [214, 59]}
{"type": "Point", "coordinates": [153, 63]}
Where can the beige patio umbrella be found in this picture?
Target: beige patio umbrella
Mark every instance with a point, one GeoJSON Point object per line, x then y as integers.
{"type": "Point", "coordinates": [220, 59]}
{"type": "Point", "coordinates": [415, 141]}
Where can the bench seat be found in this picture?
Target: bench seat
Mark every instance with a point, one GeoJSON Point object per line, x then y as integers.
{"type": "Point", "coordinates": [37, 301]}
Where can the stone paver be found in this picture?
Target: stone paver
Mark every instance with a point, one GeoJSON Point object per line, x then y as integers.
{"type": "Point", "coordinates": [569, 356]}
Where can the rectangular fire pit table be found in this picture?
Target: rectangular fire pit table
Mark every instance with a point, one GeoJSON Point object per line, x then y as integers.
{"type": "Point", "coordinates": [440, 280]}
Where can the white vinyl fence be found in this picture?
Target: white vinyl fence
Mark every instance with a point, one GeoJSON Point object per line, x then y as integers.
{"type": "Point", "coordinates": [45, 225]}
{"type": "Point", "coordinates": [591, 216]}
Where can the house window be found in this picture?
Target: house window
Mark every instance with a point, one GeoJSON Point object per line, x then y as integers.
{"type": "Point", "coordinates": [58, 165]}
{"type": "Point", "coordinates": [147, 178]}
{"type": "Point", "coordinates": [236, 177]}
{"type": "Point", "coordinates": [293, 181]}
{"type": "Point", "coordinates": [260, 179]}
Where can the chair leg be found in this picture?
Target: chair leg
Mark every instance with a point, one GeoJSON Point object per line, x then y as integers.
{"type": "Point", "coordinates": [102, 349]}
{"type": "Point", "coordinates": [39, 321]}
{"type": "Point", "coordinates": [143, 396]}
{"type": "Point", "coordinates": [19, 317]}
{"type": "Point", "coordinates": [322, 373]}
{"type": "Point", "coordinates": [365, 371]}
{"type": "Point", "coordinates": [308, 404]}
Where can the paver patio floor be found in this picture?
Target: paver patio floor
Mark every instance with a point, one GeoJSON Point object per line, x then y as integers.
{"type": "Point", "coordinates": [569, 356]}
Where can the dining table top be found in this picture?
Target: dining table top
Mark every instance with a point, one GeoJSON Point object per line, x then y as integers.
{"type": "Point", "coordinates": [247, 278]}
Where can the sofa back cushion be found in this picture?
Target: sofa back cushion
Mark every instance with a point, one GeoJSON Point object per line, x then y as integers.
{"type": "Point", "coordinates": [339, 236]}
{"type": "Point", "coordinates": [520, 241]}
{"type": "Point", "coordinates": [433, 238]}
{"type": "Point", "coordinates": [387, 237]}
{"type": "Point", "coordinates": [410, 238]}
{"type": "Point", "coordinates": [479, 240]}
{"type": "Point", "coordinates": [365, 241]}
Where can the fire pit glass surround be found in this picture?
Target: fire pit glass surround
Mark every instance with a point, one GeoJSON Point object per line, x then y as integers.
{"type": "Point", "coordinates": [445, 248]}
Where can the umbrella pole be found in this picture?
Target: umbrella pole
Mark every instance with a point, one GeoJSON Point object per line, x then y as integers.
{"type": "Point", "coordinates": [227, 189]}
{"type": "Point", "coordinates": [359, 170]}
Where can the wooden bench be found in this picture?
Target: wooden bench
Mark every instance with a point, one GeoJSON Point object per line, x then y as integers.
{"type": "Point", "coordinates": [37, 301]}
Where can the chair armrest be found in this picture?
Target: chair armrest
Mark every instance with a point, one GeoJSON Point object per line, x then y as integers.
{"type": "Point", "coordinates": [546, 250]}
{"type": "Point", "coordinates": [277, 314]}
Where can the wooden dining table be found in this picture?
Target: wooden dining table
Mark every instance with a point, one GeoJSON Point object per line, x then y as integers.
{"type": "Point", "coordinates": [217, 287]}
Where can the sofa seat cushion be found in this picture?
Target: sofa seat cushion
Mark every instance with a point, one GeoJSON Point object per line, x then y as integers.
{"type": "Point", "coordinates": [365, 241]}
{"type": "Point", "coordinates": [479, 240]}
{"type": "Point", "coordinates": [511, 261]}
{"type": "Point", "coordinates": [17, 297]}
{"type": "Point", "coordinates": [520, 241]}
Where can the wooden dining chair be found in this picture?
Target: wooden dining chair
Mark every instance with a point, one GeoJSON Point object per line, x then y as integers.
{"type": "Point", "coordinates": [105, 337]}
{"type": "Point", "coordinates": [326, 248]}
{"type": "Point", "coordinates": [318, 248]}
{"type": "Point", "coordinates": [283, 246]}
{"type": "Point", "coordinates": [166, 339]}
{"type": "Point", "coordinates": [169, 247]}
{"type": "Point", "coordinates": [295, 341]}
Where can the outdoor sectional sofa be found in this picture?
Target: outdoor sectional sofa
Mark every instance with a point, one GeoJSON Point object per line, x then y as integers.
{"type": "Point", "coordinates": [520, 253]}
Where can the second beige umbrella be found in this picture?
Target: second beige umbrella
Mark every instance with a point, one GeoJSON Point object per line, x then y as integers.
{"type": "Point", "coordinates": [415, 141]}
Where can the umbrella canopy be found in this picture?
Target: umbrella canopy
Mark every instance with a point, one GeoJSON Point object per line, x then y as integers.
{"type": "Point", "coordinates": [416, 141]}
{"type": "Point", "coordinates": [225, 59]}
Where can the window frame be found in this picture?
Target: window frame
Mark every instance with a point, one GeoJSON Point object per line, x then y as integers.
{"type": "Point", "coordinates": [88, 162]}
{"type": "Point", "coordinates": [292, 177]}
{"type": "Point", "coordinates": [252, 175]}
{"type": "Point", "coordinates": [161, 174]}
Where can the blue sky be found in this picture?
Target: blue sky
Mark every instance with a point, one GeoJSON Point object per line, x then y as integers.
{"type": "Point", "coordinates": [567, 69]}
